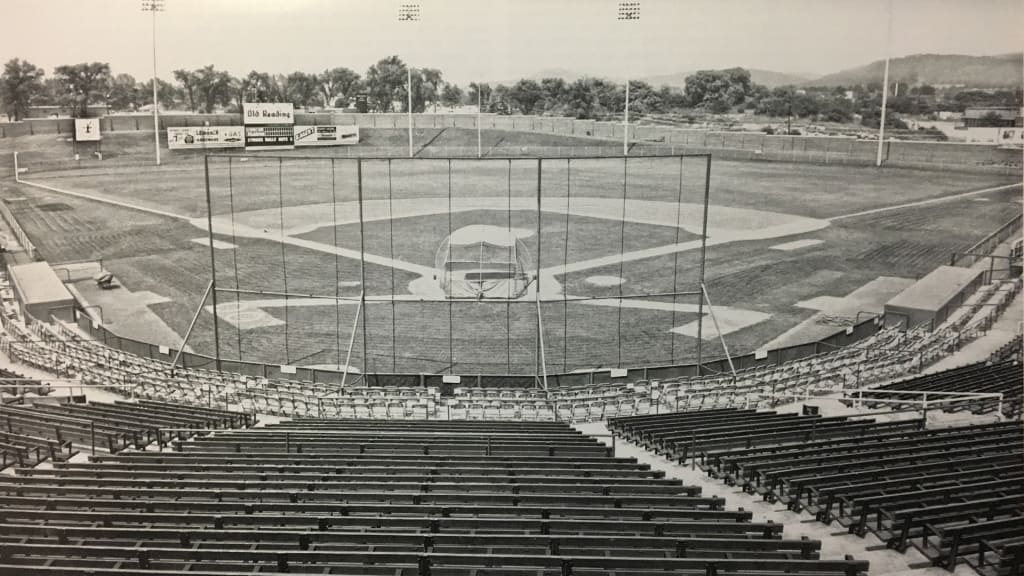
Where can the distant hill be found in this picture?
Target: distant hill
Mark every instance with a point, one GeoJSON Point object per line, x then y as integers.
{"type": "Point", "coordinates": [976, 71]}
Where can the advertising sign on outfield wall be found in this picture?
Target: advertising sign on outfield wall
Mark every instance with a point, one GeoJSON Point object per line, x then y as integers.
{"type": "Point", "coordinates": [326, 135]}
{"type": "Point", "coordinates": [87, 129]}
{"type": "Point", "coordinates": [269, 138]}
{"type": "Point", "coordinates": [268, 113]}
{"type": "Point", "coordinates": [205, 137]}
{"type": "Point", "coordinates": [1012, 137]}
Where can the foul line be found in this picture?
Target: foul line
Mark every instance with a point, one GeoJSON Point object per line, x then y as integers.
{"type": "Point", "coordinates": [924, 202]}
{"type": "Point", "coordinates": [107, 201]}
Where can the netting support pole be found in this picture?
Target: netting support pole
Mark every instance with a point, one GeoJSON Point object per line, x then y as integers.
{"type": "Point", "coordinates": [352, 339]}
{"type": "Point", "coordinates": [362, 261]}
{"type": "Point", "coordinates": [540, 343]}
{"type": "Point", "coordinates": [540, 337]}
{"type": "Point", "coordinates": [703, 259]}
{"type": "Point", "coordinates": [213, 265]}
{"type": "Point", "coordinates": [17, 176]}
{"type": "Point", "coordinates": [675, 265]}
{"type": "Point", "coordinates": [711, 309]}
{"type": "Point", "coordinates": [191, 326]}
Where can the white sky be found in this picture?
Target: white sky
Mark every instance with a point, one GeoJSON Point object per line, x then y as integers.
{"type": "Point", "coordinates": [502, 39]}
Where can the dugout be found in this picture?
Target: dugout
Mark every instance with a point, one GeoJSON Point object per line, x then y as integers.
{"type": "Point", "coordinates": [40, 292]}
{"type": "Point", "coordinates": [933, 298]}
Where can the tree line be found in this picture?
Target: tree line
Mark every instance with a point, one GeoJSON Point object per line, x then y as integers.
{"type": "Point", "coordinates": [384, 84]}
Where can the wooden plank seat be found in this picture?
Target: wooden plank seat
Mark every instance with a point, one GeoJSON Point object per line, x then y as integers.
{"type": "Point", "coordinates": [341, 477]}
{"type": "Point", "coordinates": [1003, 377]}
{"type": "Point", "coordinates": [656, 437]}
{"type": "Point", "coordinates": [772, 475]}
{"type": "Point", "coordinates": [511, 495]}
{"type": "Point", "coordinates": [908, 523]}
{"type": "Point", "coordinates": [746, 438]}
{"type": "Point", "coordinates": [11, 454]}
{"type": "Point", "coordinates": [720, 461]}
{"type": "Point", "coordinates": [521, 517]}
{"type": "Point", "coordinates": [431, 485]}
{"type": "Point", "coordinates": [36, 449]}
{"type": "Point", "coordinates": [630, 425]}
{"type": "Point", "coordinates": [357, 458]}
{"type": "Point", "coordinates": [140, 416]}
{"type": "Point", "coordinates": [369, 468]}
{"type": "Point", "coordinates": [385, 501]}
{"type": "Point", "coordinates": [834, 502]}
{"type": "Point", "coordinates": [423, 425]}
{"type": "Point", "coordinates": [884, 505]}
{"type": "Point", "coordinates": [144, 426]}
{"type": "Point", "coordinates": [951, 541]}
{"type": "Point", "coordinates": [62, 428]}
{"type": "Point", "coordinates": [793, 490]}
{"type": "Point", "coordinates": [1002, 557]}
{"type": "Point", "coordinates": [314, 538]}
{"type": "Point", "coordinates": [426, 447]}
{"type": "Point", "coordinates": [221, 418]}
{"type": "Point", "coordinates": [292, 558]}
{"type": "Point", "coordinates": [907, 433]}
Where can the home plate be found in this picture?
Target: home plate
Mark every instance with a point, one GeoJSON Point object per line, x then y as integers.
{"type": "Point", "coordinates": [219, 244]}
{"type": "Point", "coordinates": [796, 245]}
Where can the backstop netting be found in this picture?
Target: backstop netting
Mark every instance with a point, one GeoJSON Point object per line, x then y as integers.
{"type": "Point", "coordinates": [466, 266]}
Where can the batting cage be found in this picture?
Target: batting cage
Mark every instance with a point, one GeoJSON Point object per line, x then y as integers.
{"type": "Point", "coordinates": [462, 266]}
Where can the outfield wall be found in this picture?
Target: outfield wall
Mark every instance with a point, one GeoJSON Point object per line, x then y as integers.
{"type": "Point", "coordinates": [730, 145]}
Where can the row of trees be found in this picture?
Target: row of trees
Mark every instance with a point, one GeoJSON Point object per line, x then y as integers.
{"type": "Point", "coordinates": [206, 89]}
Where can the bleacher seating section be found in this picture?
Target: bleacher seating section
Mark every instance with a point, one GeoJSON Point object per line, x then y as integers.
{"type": "Point", "coordinates": [373, 497]}
{"type": "Point", "coordinates": [1002, 378]}
{"type": "Point", "coordinates": [56, 431]}
{"type": "Point", "coordinates": [1012, 350]}
{"type": "Point", "coordinates": [14, 385]}
{"type": "Point", "coordinates": [886, 354]}
{"type": "Point", "coordinates": [956, 494]}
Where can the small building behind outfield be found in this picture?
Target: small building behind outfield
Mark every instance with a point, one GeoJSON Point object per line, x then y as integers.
{"type": "Point", "coordinates": [39, 292]}
{"type": "Point", "coordinates": [933, 298]}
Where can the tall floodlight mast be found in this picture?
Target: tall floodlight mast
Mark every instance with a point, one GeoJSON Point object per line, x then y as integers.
{"type": "Point", "coordinates": [409, 13]}
{"type": "Point", "coordinates": [154, 6]}
{"type": "Point", "coordinates": [628, 12]}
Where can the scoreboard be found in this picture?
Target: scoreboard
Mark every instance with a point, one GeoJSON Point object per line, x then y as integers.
{"type": "Point", "coordinates": [269, 126]}
{"type": "Point", "coordinates": [270, 137]}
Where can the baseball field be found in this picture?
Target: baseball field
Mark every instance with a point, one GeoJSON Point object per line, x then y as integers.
{"type": "Point", "coordinates": [301, 239]}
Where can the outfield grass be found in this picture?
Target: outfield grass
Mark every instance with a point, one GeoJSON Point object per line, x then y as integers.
{"type": "Point", "coordinates": [155, 253]}
{"type": "Point", "coordinates": [801, 189]}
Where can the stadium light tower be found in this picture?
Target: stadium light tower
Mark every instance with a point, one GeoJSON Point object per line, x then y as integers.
{"type": "Point", "coordinates": [409, 13]}
{"type": "Point", "coordinates": [628, 12]}
{"type": "Point", "coordinates": [154, 6]}
{"type": "Point", "coordinates": [885, 89]}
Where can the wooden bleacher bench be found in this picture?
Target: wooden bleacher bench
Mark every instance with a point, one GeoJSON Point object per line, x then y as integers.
{"type": "Point", "coordinates": [384, 498]}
